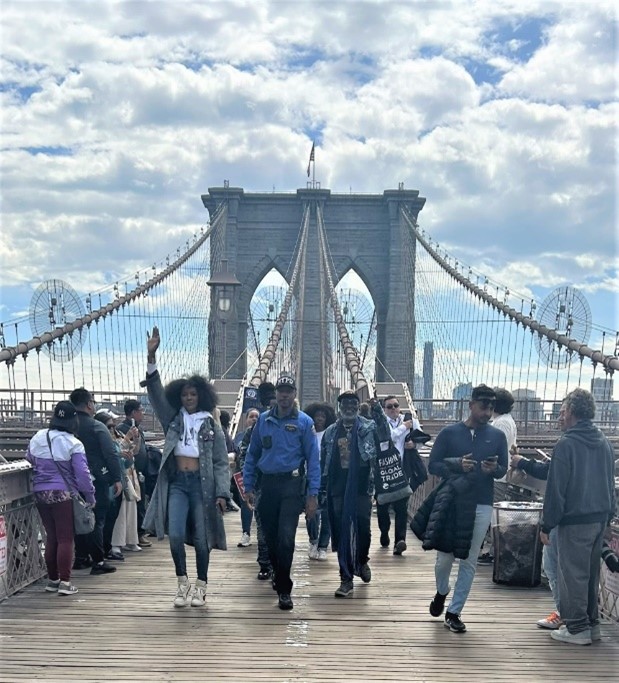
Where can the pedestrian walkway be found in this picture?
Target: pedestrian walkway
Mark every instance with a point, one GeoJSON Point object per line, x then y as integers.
{"type": "Point", "coordinates": [123, 627]}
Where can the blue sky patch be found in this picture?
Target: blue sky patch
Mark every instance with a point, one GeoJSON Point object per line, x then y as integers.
{"type": "Point", "coordinates": [50, 151]}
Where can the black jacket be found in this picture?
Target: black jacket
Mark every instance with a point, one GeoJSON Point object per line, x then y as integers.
{"type": "Point", "coordinates": [446, 518]}
{"type": "Point", "coordinates": [101, 453]}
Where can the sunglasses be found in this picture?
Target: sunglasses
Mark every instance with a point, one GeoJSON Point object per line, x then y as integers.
{"type": "Point", "coordinates": [392, 405]}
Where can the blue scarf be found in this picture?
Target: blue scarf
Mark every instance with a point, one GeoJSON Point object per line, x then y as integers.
{"type": "Point", "coordinates": [347, 551]}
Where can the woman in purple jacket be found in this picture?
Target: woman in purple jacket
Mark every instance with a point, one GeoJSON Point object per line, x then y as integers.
{"type": "Point", "coordinates": [60, 468]}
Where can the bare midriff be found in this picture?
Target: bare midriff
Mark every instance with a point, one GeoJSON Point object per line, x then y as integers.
{"type": "Point", "coordinates": [185, 464]}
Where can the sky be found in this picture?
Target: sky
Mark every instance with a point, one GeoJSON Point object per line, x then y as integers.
{"type": "Point", "coordinates": [117, 116]}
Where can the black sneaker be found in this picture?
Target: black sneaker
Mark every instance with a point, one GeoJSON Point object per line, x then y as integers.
{"type": "Point", "coordinates": [437, 605]}
{"type": "Point", "coordinates": [384, 540]}
{"type": "Point", "coordinates": [399, 547]}
{"type": "Point", "coordinates": [346, 588]}
{"type": "Point", "coordinates": [117, 557]}
{"type": "Point", "coordinates": [485, 559]}
{"type": "Point", "coordinates": [285, 601]}
{"type": "Point", "coordinates": [82, 563]}
{"type": "Point", "coordinates": [102, 568]}
{"type": "Point", "coordinates": [264, 575]}
{"type": "Point", "coordinates": [365, 573]}
{"type": "Point", "coordinates": [453, 623]}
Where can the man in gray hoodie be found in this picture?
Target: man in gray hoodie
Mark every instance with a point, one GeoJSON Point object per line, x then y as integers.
{"type": "Point", "coordinates": [579, 503]}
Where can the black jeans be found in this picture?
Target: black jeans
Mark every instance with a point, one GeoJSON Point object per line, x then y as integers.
{"type": "Point", "coordinates": [364, 537]}
{"type": "Point", "coordinates": [92, 543]}
{"type": "Point", "coordinates": [400, 509]}
{"type": "Point", "coordinates": [110, 521]}
{"type": "Point", "coordinates": [279, 508]}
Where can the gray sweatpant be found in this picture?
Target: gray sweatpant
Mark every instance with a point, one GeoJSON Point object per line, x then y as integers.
{"type": "Point", "coordinates": [579, 549]}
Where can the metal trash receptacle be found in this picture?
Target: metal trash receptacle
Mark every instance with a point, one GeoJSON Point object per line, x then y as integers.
{"type": "Point", "coordinates": [517, 546]}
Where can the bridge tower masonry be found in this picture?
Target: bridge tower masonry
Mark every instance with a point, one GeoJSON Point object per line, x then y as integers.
{"type": "Point", "coordinates": [365, 232]}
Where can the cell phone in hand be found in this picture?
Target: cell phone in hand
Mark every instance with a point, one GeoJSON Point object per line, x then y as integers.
{"type": "Point", "coordinates": [492, 458]}
{"type": "Point", "coordinates": [408, 416]}
{"type": "Point", "coordinates": [132, 422]}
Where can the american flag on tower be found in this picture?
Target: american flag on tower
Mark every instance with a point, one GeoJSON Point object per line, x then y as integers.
{"type": "Point", "coordinates": [310, 160]}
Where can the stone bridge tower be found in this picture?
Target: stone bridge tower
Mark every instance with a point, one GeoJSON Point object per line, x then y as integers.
{"type": "Point", "coordinates": [364, 232]}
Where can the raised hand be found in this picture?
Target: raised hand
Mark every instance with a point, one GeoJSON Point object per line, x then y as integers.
{"type": "Point", "coordinates": [153, 343]}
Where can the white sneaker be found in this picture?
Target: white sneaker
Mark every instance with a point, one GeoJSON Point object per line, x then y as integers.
{"type": "Point", "coordinates": [66, 588]}
{"type": "Point", "coordinates": [182, 593]}
{"type": "Point", "coordinates": [582, 638]}
{"type": "Point", "coordinates": [245, 541]}
{"type": "Point", "coordinates": [312, 553]}
{"type": "Point", "coordinates": [596, 633]}
{"type": "Point", "coordinates": [322, 555]}
{"type": "Point", "coordinates": [198, 598]}
{"type": "Point", "coordinates": [132, 548]}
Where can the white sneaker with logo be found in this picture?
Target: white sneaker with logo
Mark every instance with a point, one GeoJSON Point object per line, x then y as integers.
{"type": "Point", "coordinates": [245, 541]}
{"type": "Point", "coordinates": [312, 553]}
{"type": "Point", "coordinates": [66, 588]}
{"type": "Point", "coordinates": [322, 555]}
{"type": "Point", "coordinates": [198, 598]}
{"type": "Point", "coordinates": [182, 593]}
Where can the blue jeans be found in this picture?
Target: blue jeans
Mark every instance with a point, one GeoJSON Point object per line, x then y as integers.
{"type": "Point", "coordinates": [185, 504]}
{"type": "Point", "coordinates": [549, 564]}
{"type": "Point", "coordinates": [318, 529]}
{"type": "Point", "coordinates": [466, 568]}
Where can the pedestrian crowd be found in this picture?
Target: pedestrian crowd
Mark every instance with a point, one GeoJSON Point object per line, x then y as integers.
{"type": "Point", "coordinates": [334, 466]}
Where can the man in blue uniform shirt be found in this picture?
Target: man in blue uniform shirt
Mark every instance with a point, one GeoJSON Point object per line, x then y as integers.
{"type": "Point", "coordinates": [283, 455]}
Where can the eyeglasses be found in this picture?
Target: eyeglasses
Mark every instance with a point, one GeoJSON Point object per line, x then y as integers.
{"type": "Point", "coordinates": [392, 405]}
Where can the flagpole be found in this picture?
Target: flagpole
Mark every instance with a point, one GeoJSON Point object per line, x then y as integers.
{"type": "Point", "coordinates": [314, 170]}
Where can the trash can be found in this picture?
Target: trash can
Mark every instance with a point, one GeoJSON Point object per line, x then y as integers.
{"type": "Point", "coordinates": [517, 546]}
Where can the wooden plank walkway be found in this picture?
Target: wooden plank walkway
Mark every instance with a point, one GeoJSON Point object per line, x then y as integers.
{"type": "Point", "coordinates": [123, 627]}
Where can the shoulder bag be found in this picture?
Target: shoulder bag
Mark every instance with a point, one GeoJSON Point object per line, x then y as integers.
{"type": "Point", "coordinates": [83, 514]}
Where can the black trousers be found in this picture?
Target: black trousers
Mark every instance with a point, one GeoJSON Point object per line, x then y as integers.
{"type": "Point", "coordinates": [400, 509]}
{"type": "Point", "coordinates": [92, 543]}
{"type": "Point", "coordinates": [110, 521]}
{"type": "Point", "coordinates": [364, 538]}
{"type": "Point", "coordinates": [279, 507]}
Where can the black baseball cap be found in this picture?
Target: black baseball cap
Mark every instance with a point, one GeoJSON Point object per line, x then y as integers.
{"type": "Point", "coordinates": [286, 381]}
{"type": "Point", "coordinates": [349, 393]}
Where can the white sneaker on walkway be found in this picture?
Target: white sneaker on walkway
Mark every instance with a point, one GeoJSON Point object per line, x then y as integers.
{"type": "Point", "coordinates": [322, 555]}
{"type": "Point", "coordinates": [552, 622]}
{"type": "Point", "coordinates": [245, 541]}
{"type": "Point", "coordinates": [66, 588]}
{"type": "Point", "coordinates": [132, 548]}
{"type": "Point", "coordinates": [198, 598]}
{"type": "Point", "coordinates": [582, 638]}
{"type": "Point", "coordinates": [182, 593]}
{"type": "Point", "coordinates": [596, 633]}
{"type": "Point", "coordinates": [312, 553]}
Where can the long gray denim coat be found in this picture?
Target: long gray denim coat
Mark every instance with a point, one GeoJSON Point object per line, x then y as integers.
{"type": "Point", "coordinates": [214, 469]}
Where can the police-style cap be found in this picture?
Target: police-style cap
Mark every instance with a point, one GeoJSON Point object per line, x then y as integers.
{"type": "Point", "coordinates": [286, 381]}
{"type": "Point", "coordinates": [483, 393]}
{"type": "Point", "coordinates": [349, 393]}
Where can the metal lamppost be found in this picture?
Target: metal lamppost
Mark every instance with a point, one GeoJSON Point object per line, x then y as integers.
{"type": "Point", "coordinates": [224, 284]}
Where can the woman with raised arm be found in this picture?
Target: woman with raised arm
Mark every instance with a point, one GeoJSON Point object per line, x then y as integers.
{"type": "Point", "coordinates": [194, 480]}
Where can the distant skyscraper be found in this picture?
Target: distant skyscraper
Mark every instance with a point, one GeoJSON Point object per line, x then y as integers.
{"type": "Point", "coordinates": [602, 390]}
{"type": "Point", "coordinates": [462, 392]}
{"type": "Point", "coordinates": [428, 370]}
{"type": "Point", "coordinates": [418, 387]}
